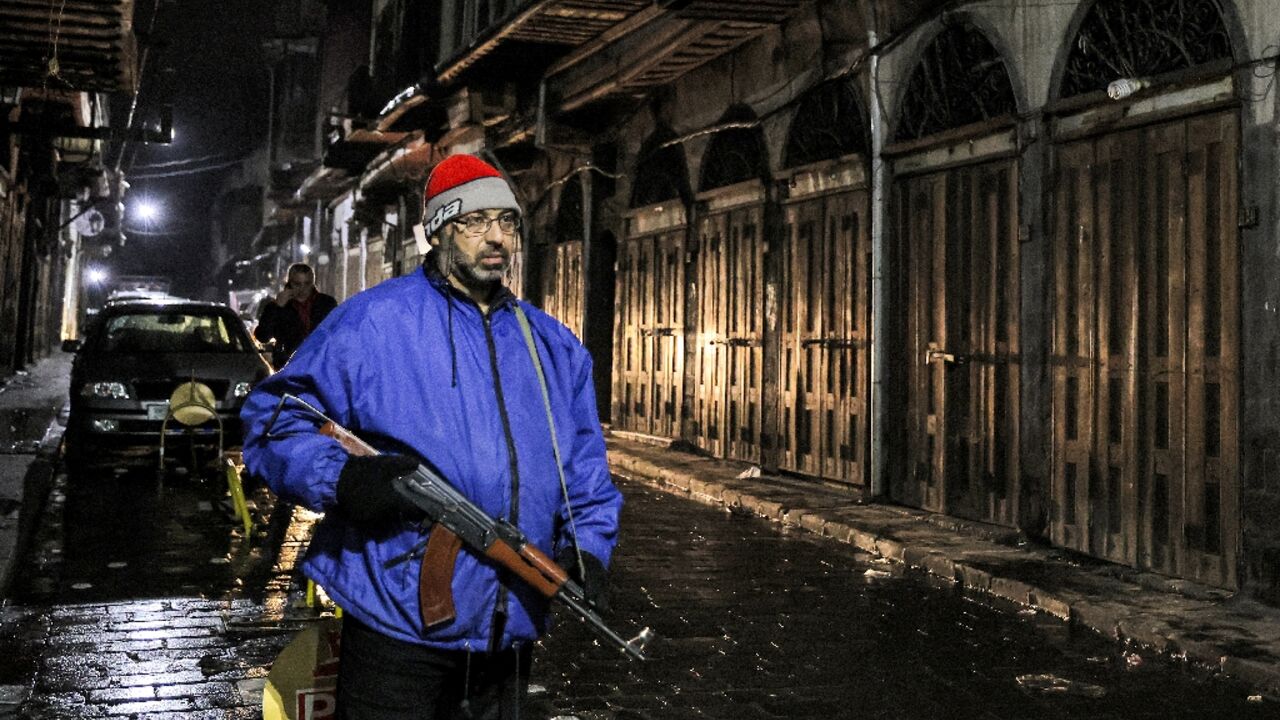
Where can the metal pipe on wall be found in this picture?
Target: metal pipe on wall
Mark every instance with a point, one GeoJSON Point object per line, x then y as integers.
{"type": "Point", "coordinates": [588, 240]}
{"type": "Point", "coordinates": [879, 294]}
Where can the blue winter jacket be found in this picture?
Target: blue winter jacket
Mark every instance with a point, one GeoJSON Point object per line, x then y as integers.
{"type": "Point", "coordinates": [412, 366]}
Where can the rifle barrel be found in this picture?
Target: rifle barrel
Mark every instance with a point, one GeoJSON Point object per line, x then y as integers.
{"type": "Point", "coordinates": [633, 648]}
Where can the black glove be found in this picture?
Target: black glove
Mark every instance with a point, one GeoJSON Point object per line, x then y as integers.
{"type": "Point", "coordinates": [591, 575]}
{"type": "Point", "coordinates": [365, 492]}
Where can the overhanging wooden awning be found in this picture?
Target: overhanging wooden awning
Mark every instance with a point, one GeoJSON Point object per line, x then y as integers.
{"type": "Point", "coordinates": [400, 168]}
{"type": "Point", "coordinates": [764, 11]}
{"type": "Point", "coordinates": [77, 44]}
{"type": "Point", "coordinates": [548, 22]}
{"type": "Point", "coordinates": [354, 152]}
{"type": "Point", "coordinates": [650, 56]}
{"type": "Point", "coordinates": [323, 184]}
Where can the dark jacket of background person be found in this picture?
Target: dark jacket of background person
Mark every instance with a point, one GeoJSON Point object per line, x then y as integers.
{"type": "Point", "coordinates": [291, 324]}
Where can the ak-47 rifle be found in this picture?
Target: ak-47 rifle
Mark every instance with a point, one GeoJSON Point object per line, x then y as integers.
{"type": "Point", "coordinates": [457, 522]}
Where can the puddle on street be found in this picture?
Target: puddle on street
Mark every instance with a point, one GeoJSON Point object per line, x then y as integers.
{"type": "Point", "coordinates": [21, 429]}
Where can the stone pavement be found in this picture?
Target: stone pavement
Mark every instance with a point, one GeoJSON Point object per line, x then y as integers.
{"type": "Point", "coordinates": [30, 403]}
{"type": "Point", "coordinates": [757, 621]}
{"type": "Point", "coordinates": [1232, 633]}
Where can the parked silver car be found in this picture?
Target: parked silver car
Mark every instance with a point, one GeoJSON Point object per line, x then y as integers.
{"type": "Point", "coordinates": [127, 366]}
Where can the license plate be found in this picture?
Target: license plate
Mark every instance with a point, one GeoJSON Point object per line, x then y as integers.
{"type": "Point", "coordinates": [156, 411]}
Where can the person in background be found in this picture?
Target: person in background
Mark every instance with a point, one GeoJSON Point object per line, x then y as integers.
{"type": "Point", "coordinates": [434, 366]}
{"type": "Point", "coordinates": [294, 312]}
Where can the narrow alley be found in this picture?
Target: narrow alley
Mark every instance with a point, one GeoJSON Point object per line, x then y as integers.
{"type": "Point", "coordinates": [753, 621]}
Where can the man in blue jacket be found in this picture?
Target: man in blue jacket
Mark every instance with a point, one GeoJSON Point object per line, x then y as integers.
{"type": "Point", "coordinates": [433, 366]}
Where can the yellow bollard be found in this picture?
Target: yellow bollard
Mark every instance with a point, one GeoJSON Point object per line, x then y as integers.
{"type": "Point", "coordinates": [312, 601]}
{"type": "Point", "coordinates": [237, 497]}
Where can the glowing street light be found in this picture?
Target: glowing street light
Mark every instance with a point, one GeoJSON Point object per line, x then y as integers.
{"type": "Point", "coordinates": [305, 249]}
{"type": "Point", "coordinates": [147, 210]}
{"type": "Point", "coordinates": [97, 275]}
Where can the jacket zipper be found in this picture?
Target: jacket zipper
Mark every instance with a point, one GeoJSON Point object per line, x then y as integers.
{"type": "Point", "coordinates": [500, 607]}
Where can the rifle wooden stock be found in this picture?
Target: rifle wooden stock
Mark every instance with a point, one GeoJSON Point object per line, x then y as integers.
{"type": "Point", "coordinates": [347, 439]}
{"type": "Point", "coordinates": [435, 577]}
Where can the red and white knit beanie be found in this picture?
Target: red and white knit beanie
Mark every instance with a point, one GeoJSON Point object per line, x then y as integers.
{"type": "Point", "coordinates": [461, 184]}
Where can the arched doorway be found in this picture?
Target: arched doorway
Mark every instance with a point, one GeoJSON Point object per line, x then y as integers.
{"type": "Point", "coordinates": [1145, 346]}
{"type": "Point", "coordinates": [955, 210]}
{"type": "Point", "coordinates": [562, 280]}
{"type": "Point", "coordinates": [825, 293]}
{"type": "Point", "coordinates": [728, 283]}
{"type": "Point", "coordinates": [649, 331]}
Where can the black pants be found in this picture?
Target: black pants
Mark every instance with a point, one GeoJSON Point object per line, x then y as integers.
{"type": "Point", "coordinates": [387, 679]}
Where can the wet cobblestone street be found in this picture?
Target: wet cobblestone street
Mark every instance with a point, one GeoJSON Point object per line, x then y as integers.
{"type": "Point", "coordinates": [754, 622]}
{"type": "Point", "coordinates": [146, 605]}
{"type": "Point", "coordinates": [146, 602]}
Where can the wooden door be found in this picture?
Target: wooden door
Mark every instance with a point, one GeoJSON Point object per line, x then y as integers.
{"type": "Point", "coordinates": [1094, 350]}
{"type": "Point", "coordinates": [563, 283]}
{"type": "Point", "coordinates": [825, 342]}
{"type": "Point", "coordinates": [710, 329]}
{"type": "Point", "coordinates": [627, 337]}
{"type": "Point", "coordinates": [1146, 348]}
{"type": "Point", "coordinates": [729, 279]}
{"type": "Point", "coordinates": [1212, 473]}
{"type": "Point", "coordinates": [959, 227]}
{"type": "Point", "coordinates": [649, 331]}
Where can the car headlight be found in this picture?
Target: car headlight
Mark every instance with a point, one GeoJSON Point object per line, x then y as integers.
{"type": "Point", "coordinates": [241, 389]}
{"type": "Point", "coordinates": [113, 390]}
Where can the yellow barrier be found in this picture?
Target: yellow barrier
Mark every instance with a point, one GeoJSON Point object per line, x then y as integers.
{"type": "Point", "coordinates": [237, 496]}
{"type": "Point", "coordinates": [311, 598]}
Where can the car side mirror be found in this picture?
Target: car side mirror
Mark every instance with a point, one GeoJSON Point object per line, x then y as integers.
{"type": "Point", "coordinates": [71, 345]}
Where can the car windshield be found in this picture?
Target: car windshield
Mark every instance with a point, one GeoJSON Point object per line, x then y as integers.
{"type": "Point", "coordinates": [170, 332]}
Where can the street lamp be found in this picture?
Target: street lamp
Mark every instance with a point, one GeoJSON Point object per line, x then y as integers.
{"type": "Point", "coordinates": [147, 210]}
{"type": "Point", "coordinates": [97, 275]}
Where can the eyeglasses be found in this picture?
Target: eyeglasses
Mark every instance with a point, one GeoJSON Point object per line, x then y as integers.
{"type": "Point", "coordinates": [478, 224]}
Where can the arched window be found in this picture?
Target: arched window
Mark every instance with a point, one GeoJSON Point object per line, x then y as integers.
{"type": "Point", "coordinates": [961, 79]}
{"type": "Point", "coordinates": [660, 172]}
{"type": "Point", "coordinates": [828, 124]}
{"type": "Point", "coordinates": [735, 154]}
{"type": "Point", "coordinates": [1141, 38]}
{"type": "Point", "coordinates": [569, 212]}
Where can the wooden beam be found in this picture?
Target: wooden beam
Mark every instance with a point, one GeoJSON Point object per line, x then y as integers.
{"type": "Point", "coordinates": [20, 27]}
{"type": "Point", "coordinates": [119, 7]}
{"type": "Point", "coordinates": [71, 13]}
{"type": "Point", "coordinates": [559, 22]}
{"type": "Point", "coordinates": [80, 48]}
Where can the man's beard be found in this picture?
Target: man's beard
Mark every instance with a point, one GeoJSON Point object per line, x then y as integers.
{"type": "Point", "coordinates": [472, 274]}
